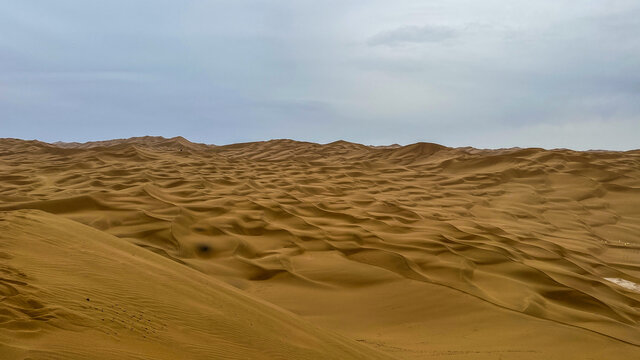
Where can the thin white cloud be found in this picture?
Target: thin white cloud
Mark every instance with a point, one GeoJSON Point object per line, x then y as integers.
{"type": "Point", "coordinates": [413, 34]}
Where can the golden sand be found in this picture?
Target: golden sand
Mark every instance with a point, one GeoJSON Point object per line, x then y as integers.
{"type": "Point", "coordinates": [165, 249]}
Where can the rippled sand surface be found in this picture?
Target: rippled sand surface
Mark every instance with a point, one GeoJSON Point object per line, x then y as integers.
{"type": "Point", "coordinates": [162, 248]}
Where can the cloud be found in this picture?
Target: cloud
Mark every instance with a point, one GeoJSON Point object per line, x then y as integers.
{"type": "Point", "coordinates": [478, 74]}
{"type": "Point", "coordinates": [413, 34]}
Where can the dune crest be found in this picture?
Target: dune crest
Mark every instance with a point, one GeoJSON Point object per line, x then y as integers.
{"type": "Point", "coordinates": [531, 235]}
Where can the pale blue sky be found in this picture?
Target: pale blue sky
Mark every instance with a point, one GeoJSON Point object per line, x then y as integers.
{"type": "Point", "coordinates": [458, 72]}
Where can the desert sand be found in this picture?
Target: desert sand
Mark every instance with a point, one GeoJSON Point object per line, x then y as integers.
{"type": "Point", "coordinates": [154, 248]}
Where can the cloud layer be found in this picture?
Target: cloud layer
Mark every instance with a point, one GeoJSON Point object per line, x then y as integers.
{"type": "Point", "coordinates": [412, 34]}
{"type": "Point", "coordinates": [489, 74]}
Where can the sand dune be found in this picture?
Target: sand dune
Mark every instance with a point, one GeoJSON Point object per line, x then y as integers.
{"type": "Point", "coordinates": [417, 251]}
{"type": "Point", "coordinates": [74, 292]}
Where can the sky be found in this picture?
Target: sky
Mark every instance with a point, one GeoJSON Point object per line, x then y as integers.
{"type": "Point", "coordinates": [488, 74]}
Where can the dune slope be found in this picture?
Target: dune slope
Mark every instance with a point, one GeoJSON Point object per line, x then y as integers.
{"type": "Point", "coordinates": [545, 239]}
{"type": "Point", "coordinates": [72, 292]}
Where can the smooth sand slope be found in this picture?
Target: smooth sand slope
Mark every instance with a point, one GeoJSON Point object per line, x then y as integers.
{"type": "Point", "coordinates": [417, 251]}
{"type": "Point", "coordinates": [72, 292]}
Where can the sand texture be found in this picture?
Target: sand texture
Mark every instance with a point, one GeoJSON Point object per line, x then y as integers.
{"type": "Point", "coordinates": [162, 248]}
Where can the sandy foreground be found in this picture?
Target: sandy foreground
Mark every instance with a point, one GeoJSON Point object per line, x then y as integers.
{"type": "Point", "coordinates": [154, 248]}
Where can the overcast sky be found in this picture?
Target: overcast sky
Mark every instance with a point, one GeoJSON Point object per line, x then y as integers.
{"type": "Point", "coordinates": [487, 73]}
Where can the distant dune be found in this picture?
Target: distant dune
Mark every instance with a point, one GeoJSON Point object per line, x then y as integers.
{"type": "Point", "coordinates": [167, 249]}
